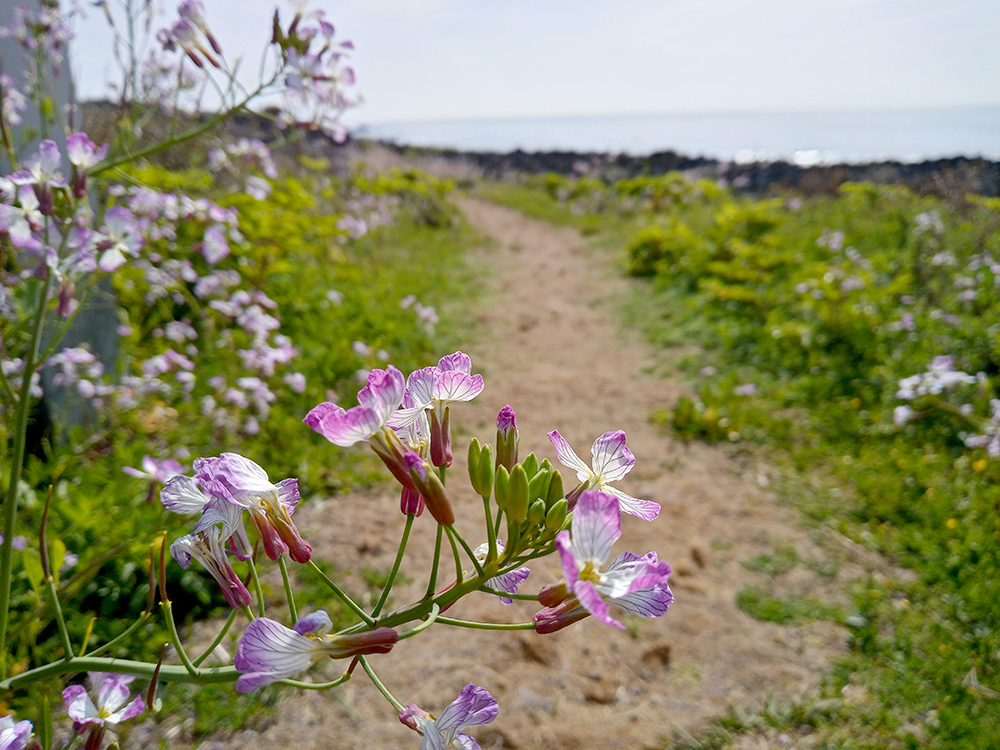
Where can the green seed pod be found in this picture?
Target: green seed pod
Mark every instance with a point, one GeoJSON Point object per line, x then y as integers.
{"type": "Point", "coordinates": [530, 464]}
{"type": "Point", "coordinates": [557, 515]}
{"type": "Point", "coordinates": [538, 487]}
{"type": "Point", "coordinates": [556, 491]}
{"type": "Point", "coordinates": [517, 501]}
{"type": "Point", "coordinates": [501, 488]}
{"type": "Point", "coordinates": [475, 451]}
{"type": "Point", "coordinates": [536, 514]}
{"type": "Point", "coordinates": [485, 472]}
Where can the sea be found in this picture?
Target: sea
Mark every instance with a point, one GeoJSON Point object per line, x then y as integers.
{"type": "Point", "coordinates": [804, 138]}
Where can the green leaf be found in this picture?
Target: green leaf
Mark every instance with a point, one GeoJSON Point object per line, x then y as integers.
{"type": "Point", "coordinates": [33, 567]}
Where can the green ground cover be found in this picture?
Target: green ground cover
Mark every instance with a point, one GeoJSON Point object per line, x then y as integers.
{"type": "Point", "coordinates": [806, 314]}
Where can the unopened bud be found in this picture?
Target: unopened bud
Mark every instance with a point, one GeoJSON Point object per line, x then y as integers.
{"type": "Point", "coordinates": [486, 472]}
{"type": "Point", "coordinates": [530, 464]}
{"type": "Point", "coordinates": [429, 485]}
{"type": "Point", "coordinates": [501, 488]}
{"type": "Point", "coordinates": [538, 487]}
{"type": "Point", "coordinates": [536, 513]}
{"type": "Point", "coordinates": [556, 516]}
{"type": "Point", "coordinates": [556, 491]}
{"type": "Point", "coordinates": [441, 438]}
{"type": "Point", "coordinates": [475, 451]}
{"type": "Point", "coordinates": [506, 438]}
{"type": "Point", "coordinates": [517, 502]}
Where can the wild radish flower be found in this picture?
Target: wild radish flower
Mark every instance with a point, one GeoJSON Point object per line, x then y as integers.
{"type": "Point", "coordinates": [268, 651]}
{"type": "Point", "coordinates": [112, 707]}
{"type": "Point", "coordinates": [638, 584]}
{"type": "Point", "coordinates": [42, 174]}
{"type": "Point", "coordinates": [14, 735]}
{"type": "Point", "coordinates": [242, 482]}
{"type": "Point", "coordinates": [433, 389]}
{"type": "Point", "coordinates": [122, 238]}
{"type": "Point", "coordinates": [611, 461]}
{"type": "Point", "coordinates": [194, 11]}
{"type": "Point", "coordinates": [939, 377]}
{"type": "Point", "coordinates": [155, 471]}
{"type": "Point", "coordinates": [83, 154]}
{"type": "Point", "coordinates": [473, 706]}
{"type": "Point", "coordinates": [20, 221]}
{"type": "Point", "coordinates": [508, 581]}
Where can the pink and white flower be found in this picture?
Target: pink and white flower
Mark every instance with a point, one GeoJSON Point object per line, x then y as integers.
{"type": "Point", "coordinates": [473, 706]}
{"type": "Point", "coordinates": [612, 460]}
{"type": "Point", "coordinates": [268, 651]}
{"type": "Point", "coordinates": [638, 584]}
{"type": "Point", "coordinates": [112, 707]}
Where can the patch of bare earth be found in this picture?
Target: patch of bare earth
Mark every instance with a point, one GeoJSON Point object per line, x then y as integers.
{"type": "Point", "coordinates": [551, 347]}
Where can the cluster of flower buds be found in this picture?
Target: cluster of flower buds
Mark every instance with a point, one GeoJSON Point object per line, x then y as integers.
{"type": "Point", "coordinates": [190, 33]}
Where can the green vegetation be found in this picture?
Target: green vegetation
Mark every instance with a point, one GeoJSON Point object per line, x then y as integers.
{"type": "Point", "coordinates": [807, 314]}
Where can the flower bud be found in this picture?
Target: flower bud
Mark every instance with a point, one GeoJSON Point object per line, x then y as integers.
{"type": "Point", "coordinates": [391, 450]}
{"type": "Point", "coordinates": [501, 488]}
{"type": "Point", "coordinates": [551, 619]}
{"type": "Point", "coordinates": [530, 464]}
{"type": "Point", "coordinates": [432, 488]}
{"type": "Point", "coordinates": [556, 491]}
{"type": "Point", "coordinates": [517, 501]}
{"type": "Point", "coordinates": [475, 451]}
{"type": "Point", "coordinates": [506, 438]}
{"type": "Point", "coordinates": [556, 516]}
{"type": "Point", "coordinates": [538, 487]}
{"type": "Point", "coordinates": [485, 474]}
{"type": "Point", "coordinates": [536, 513]}
{"type": "Point", "coordinates": [553, 594]}
{"type": "Point", "coordinates": [411, 502]}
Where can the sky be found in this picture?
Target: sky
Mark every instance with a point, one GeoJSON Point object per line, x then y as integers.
{"type": "Point", "coordinates": [482, 59]}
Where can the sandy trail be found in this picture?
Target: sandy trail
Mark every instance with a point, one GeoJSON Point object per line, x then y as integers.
{"type": "Point", "coordinates": [552, 348]}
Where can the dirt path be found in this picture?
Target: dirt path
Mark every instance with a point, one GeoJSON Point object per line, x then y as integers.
{"type": "Point", "coordinates": [553, 350]}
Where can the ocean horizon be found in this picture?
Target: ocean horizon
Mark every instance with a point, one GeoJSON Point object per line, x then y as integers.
{"type": "Point", "coordinates": [803, 138]}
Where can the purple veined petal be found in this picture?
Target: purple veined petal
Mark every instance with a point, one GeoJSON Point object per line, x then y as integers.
{"type": "Point", "coordinates": [180, 494]}
{"type": "Point", "coordinates": [594, 604]}
{"type": "Point", "coordinates": [648, 602]}
{"type": "Point", "coordinates": [384, 392]}
{"type": "Point", "coordinates": [288, 493]}
{"type": "Point", "coordinates": [242, 476]}
{"type": "Point", "coordinates": [457, 362]}
{"type": "Point", "coordinates": [182, 550]}
{"type": "Point", "coordinates": [269, 648]}
{"type": "Point", "coordinates": [457, 386]}
{"type": "Point", "coordinates": [509, 582]}
{"type": "Point", "coordinates": [316, 623]}
{"type": "Point", "coordinates": [466, 742]}
{"type": "Point", "coordinates": [567, 456]}
{"type": "Point", "coordinates": [647, 510]}
{"type": "Point", "coordinates": [421, 385]}
{"type": "Point", "coordinates": [321, 412]}
{"type": "Point", "coordinates": [14, 735]}
{"type": "Point", "coordinates": [111, 260]}
{"type": "Point", "coordinates": [596, 526]}
{"type": "Point", "coordinates": [473, 706]}
{"type": "Point", "coordinates": [432, 740]}
{"type": "Point", "coordinates": [567, 555]}
{"type": "Point", "coordinates": [612, 460]}
{"type": "Point", "coordinates": [346, 428]}
{"type": "Point", "coordinates": [79, 706]}
{"type": "Point", "coordinates": [133, 709]}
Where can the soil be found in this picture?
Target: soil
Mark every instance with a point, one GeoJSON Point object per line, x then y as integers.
{"type": "Point", "coordinates": [551, 346]}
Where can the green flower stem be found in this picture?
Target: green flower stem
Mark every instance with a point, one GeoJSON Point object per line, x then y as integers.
{"type": "Point", "coordinates": [168, 615]}
{"type": "Point", "coordinates": [292, 609]}
{"type": "Point", "coordinates": [432, 583]}
{"type": "Point", "coordinates": [461, 540]}
{"type": "Point", "coordinates": [168, 673]}
{"type": "Point", "coordinates": [16, 465]}
{"type": "Point", "coordinates": [60, 620]}
{"type": "Point", "coordinates": [459, 573]}
{"type": "Point", "coordinates": [316, 685]}
{"type": "Point", "coordinates": [120, 637]}
{"type": "Point", "coordinates": [248, 613]}
{"type": "Point", "coordinates": [524, 597]}
{"type": "Point", "coordinates": [431, 619]}
{"type": "Point", "coordinates": [342, 596]}
{"type": "Point", "coordinates": [378, 683]}
{"type": "Point", "coordinates": [395, 567]}
{"type": "Point", "coordinates": [256, 586]}
{"type": "Point", "coordinates": [491, 533]}
{"type": "Point", "coordinates": [218, 639]}
{"type": "Point", "coordinates": [487, 625]}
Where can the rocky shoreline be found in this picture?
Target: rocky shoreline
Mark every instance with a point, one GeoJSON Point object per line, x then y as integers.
{"type": "Point", "coordinates": [950, 178]}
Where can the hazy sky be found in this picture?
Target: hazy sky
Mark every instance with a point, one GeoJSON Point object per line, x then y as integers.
{"type": "Point", "coordinates": [440, 59]}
